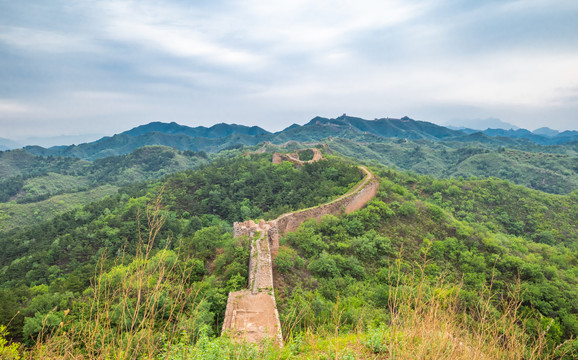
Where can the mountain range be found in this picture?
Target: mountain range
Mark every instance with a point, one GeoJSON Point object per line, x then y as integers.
{"type": "Point", "coordinates": [225, 136]}
{"type": "Point", "coordinates": [7, 144]}
{"type": "Point", "coordinates": [215, 131]}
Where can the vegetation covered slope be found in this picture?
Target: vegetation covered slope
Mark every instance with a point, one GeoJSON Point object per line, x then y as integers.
{"type": "Point", "coordinates": [442, 268]}
{"type": "Point", "coordinates": [357, 261]}
{"type": "Point", "coordinates": [35, 188]}
{"type": "Point", "coordinates": [51, 264]}
{"type": "Point", "coordinates": [215, 131]}
{"type": "Point", "coordinates": [552, 169]}
{"type": "Point", "coordinates": [28, 178]}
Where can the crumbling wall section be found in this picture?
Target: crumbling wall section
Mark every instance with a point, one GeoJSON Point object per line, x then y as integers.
{"type": "Point", "coordinates": [278, 158]}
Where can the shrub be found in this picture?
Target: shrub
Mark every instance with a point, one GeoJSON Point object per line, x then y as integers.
{"type": "Point", "coordinates": [324, 266]}
{"type": "Point", "coordinates": [407, 209]}
{"type": "Point", "coordinates": [287, 259]}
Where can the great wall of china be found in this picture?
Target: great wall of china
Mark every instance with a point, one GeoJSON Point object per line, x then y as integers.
{"type": "Point", "coordinates": [252, 314]}
{"type": "Point", "coordinates": [278, 158]}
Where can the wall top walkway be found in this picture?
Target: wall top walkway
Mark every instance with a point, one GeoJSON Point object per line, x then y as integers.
{"type": "Point", "coordinates": [252, 314]}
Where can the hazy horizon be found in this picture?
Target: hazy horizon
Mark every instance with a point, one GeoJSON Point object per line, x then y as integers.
{"type": "Point", "coordinates": [64, 140]}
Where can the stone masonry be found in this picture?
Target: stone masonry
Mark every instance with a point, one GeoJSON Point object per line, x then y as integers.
{"type": "Point", "coordinates": [278, 158]}
{"type": "Point", "coordinates": [252, 314]}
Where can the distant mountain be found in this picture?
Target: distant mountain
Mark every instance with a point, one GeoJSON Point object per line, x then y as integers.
{"type": "Point", "coordinates": [569, 134]}
{"type": "Point", "coordinates": [7, 144]}
{"type": "Point", "coordinates": [564, 137]}
{"type": "Point", "coordinates": [216, 138]}
{"type": "Point", "coordinates": [228, 136]}
{"type": "Point", "coordinates": [546, 131]}
{"type": "Point", "coordinates": [215, 131]}
{"type": "Point", "coordinates": [386, 127]}
{"type": "Point", "coordinates": [494, 141]}
{"type": "Point", "coordinates": [123, 144]}
{"type": "Point", "coordinates": [540, 137]}
{"type": "Point", "coordinates": [293, 126]}
{"type": "Point", "coordinates": [515, 134]}
{"type": "Point", "coordinates": [479, 124]}
{"type": "Point", "coordinates": [405, 143]}
{"type": "Point", "coordinates": [224, 136]}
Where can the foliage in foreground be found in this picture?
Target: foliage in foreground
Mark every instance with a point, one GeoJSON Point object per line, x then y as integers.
{"type": "Point", "coordinates": [354, 258]}
{"type": "Point", "coordinates": [424, 323]}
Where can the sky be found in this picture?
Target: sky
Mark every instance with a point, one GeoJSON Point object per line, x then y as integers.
{"type": "Point", "coordinates": [71, 67]}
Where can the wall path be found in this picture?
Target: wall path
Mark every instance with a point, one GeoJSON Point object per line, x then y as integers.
{"type": "Point", "coordinates": [252, 314]}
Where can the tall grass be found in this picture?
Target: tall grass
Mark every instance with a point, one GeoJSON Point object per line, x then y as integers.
{"type": "Point", "coordinates": [130, 311]}
{"type": "Point", "coordinates": [426, 321]}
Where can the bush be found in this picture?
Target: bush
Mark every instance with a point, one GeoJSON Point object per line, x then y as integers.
{"type": "Point", "coordinates": [287, 259]}
{"type": "Point", "coordinates": [407, 209]}
{"type": "Point", "coordinates": [7, 352]}
{"type": "Point", "coordinates": [324, 266]}
{"type": "Point", "coordinates": [436, 212]}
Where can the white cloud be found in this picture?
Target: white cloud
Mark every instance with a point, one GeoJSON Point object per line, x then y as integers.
{"type": "Point", "coordinates": [173, 30]}
{"type": "Point", "coordinates": [14, 108]}
{"type": "Point", "coordinates": [36, 40]}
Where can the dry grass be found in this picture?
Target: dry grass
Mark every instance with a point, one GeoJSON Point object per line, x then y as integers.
{"type": "Point", "coordinates": [426, 322]}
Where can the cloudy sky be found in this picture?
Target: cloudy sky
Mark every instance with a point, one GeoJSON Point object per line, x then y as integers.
{"type": "Point", "coordinates": [101, 67]}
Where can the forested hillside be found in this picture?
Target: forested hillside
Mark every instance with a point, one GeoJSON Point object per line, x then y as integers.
{"type": "Point", "coordinates": [486, 234]}
{"type": "Point", "coordinates": [428, 265]}
{"type": "Point", "coordinates": [51, 264]}
{"type": "Point", "coordinates": [36, 188]}
{"type": "Point", "coordinates": [552, 169]}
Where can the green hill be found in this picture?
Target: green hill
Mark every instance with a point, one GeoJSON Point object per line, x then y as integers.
{"type": "Point", "coordinates": [34, 188]}
{"type": "Point", "coordinates": [550, 169]}
{"type": "Point", "coordinates": [428, 265]}
{"type": "Point", "coordinates": [391, 128]}
{"type": "Point", "coordinates": [215, 131]}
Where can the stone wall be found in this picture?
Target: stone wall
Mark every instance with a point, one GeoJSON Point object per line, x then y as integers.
{"type": "Point", "coordinates": [244, 317]}
{"type": "Point", "coordinates": [354, 200]}
{"type": "Point", "coordinates": [260, 266]}
{"type": "Point", "coordinates": [278, 158]}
